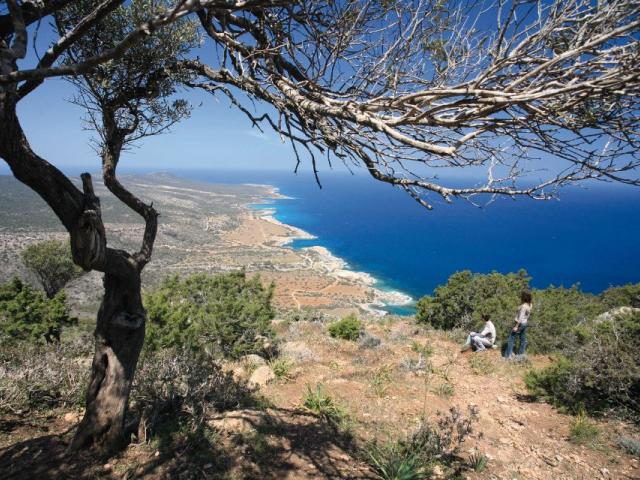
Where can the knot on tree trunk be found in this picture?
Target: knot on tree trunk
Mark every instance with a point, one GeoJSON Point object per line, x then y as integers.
{"type": "Point", "coordinates": [129, 320]}
{"type": "Point", "coordinates": [88, 242]}
{"type": "Point", "coordinates": [88, 239]}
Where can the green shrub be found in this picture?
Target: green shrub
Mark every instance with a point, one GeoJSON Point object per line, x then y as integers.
{"type": "Point", "coordinates": [481, 365]}
{"type": "Point", "coordinates": [226, 315]}
{"type": "Point", "coordinates": [445, 390]}
{"type": "Point", "coordinates": [323, 405]}
{"type": "Point", "coordinates": [52, 263]}
{"type": "Point", "coordinates": [478, 462]}
{"type": "Point", "coordinates": [282, 369]}
{"type": "Point", "coordinates": [557, 315]}
{"type": "Point", "coordinates": [380, 379]}
{"type": "Point", "coordinates": [413, 456]}
{"type": "Point", "coordinates": [555, 319]}
{"type": "Point", "coordinates": [466, 296]}
{"type": "Point", "coordinates": [426, 350]}
{"type": "Point", "coordinates": [392, 462]}
{"type": "Point", "coordinates": [348, 328]}
{"type": "Point", "coordinates": [27, 314]}
{"type": "Point", "coordinates": [630, 445]}
{"type": "Point", "coordinates": [583, 431]}
{"type": "Point", "coordinates": [624, 296]}
{"type": "Point", "coordinates": [601, 374]}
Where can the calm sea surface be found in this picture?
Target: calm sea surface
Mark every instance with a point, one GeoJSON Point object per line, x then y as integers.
{"type": "Point", "coordinates": [591, 236]}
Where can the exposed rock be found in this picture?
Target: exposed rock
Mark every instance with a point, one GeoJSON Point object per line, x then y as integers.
{"type": "Point", "coordinates": [298, 351]}
{"type": "Point", "coordinates": [262, 376]}
{"type": "Point", "coordinates": [238, 421]}
{"type": "Point", "coordinates": [616, 312]}
{"type": "Point", "coordinates": [254, 359]}
{"type": "Point", "coordinates": [72, 417]}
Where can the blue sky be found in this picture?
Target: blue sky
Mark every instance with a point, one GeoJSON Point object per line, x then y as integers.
{"type": "Point", "coordinates": [215, 136]}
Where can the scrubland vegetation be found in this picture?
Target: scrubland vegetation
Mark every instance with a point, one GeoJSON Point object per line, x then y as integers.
{"type": "Point", "coordinates": [203, 330]}
{"type": "Point", "coordinates": [593, 342]}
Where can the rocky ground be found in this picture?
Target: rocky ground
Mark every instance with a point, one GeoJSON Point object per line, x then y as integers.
{"type": "Point", "coordinates": [384, 392]}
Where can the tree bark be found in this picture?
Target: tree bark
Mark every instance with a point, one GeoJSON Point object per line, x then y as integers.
{"type": "Point", "coordinates": [120, 323]}
{"type": "Point", "coordinates": [119, 336]}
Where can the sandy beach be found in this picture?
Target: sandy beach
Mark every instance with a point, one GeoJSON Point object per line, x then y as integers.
{"type": "Point", "coordinates": [319, 279]}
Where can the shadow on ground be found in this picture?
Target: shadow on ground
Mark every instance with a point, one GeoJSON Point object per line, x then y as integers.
{"type": "Point", "coordinates": [271, 444]}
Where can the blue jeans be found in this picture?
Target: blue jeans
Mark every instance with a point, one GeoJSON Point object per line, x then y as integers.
{"type": "Point", "coordinates": [522, 333]}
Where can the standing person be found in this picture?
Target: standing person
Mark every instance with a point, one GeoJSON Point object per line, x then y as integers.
{"type": "Point", "coordinates": [520, 328]}
{"type": "Point", "coordinates": [486, 338]}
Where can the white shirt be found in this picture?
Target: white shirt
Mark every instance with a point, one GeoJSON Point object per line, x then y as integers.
{"type": "Point", "coordinates": [524, 311]}
{"type": "Point", "coordinates": [489, 331]}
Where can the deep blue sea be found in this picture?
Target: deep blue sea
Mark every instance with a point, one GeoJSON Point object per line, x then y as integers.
{"type": "Point", "coordinates": [590, 237]}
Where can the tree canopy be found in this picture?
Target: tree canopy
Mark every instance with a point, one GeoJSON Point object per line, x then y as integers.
{"type": "Point", "coordinates": [52, 263]}
{"type": "Point", "coordinates": [227, 315]}
{"type": "Point", "coordinates": [27, 314]}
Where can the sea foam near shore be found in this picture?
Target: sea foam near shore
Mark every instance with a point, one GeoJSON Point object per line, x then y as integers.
{"type": "Point", "coordinates": [321, 257]}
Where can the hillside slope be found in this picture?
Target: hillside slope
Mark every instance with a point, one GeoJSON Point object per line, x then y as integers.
{"type": "Point", "coordinates": [384, 392]}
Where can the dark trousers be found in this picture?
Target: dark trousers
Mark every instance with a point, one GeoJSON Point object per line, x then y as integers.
{"type": "Point", "coordinates": [522, 333]}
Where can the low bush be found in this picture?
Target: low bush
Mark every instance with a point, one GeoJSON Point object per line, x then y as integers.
{"type": "Point", "coordinates": [414, 456]}
{"type": "Point", "coordinates": [445, 390]}
{"type": "Point", "coordinates": [481, 365]}
{"type": "Point", "coordinates": [282, 369]}
{"type": "Point", "coordinates": [26, 314]}
{"type": "Point", "coordinates": [478, 462]}
{"type": "Point", "coordinates": [392, 462]}
{"type": "Point", "coordinates": [600, 374]}
{"type": "Point", "coordinates": [36, 377]}
{"type": "Point", "coordinates": [380, 379]}
{"type": "Point", "coordinates": [224, 315]}
{"type": "Point", "coordinates": [583, 431]}
{"type": "Point", "coordinates": [425, 349]}
{"type": "Point", "coordinates": [179, 388]}
{"type": "Point", "coordinates": [347, 328]}
{"type": "Point", "coordinates": [630, 445]}
{"type": "Point", "coordinates": [323, 405]}
{"type": "Point", "coordinates": [368, 340]}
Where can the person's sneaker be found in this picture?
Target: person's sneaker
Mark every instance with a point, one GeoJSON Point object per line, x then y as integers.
{"type": "Point", "coordinates": [466, 347]}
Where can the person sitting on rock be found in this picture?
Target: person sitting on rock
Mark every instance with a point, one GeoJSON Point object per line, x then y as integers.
{"type": "Point", "coordinates": [485, 339]}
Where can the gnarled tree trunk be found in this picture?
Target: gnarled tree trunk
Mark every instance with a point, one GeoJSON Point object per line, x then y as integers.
{"type": "Point", "coordinates": [119, 337]}
{"type": "Point", "coordinates": [120, 324]}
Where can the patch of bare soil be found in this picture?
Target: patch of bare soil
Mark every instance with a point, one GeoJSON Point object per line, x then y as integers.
{"type": "Point", "coordinates": [385, 391]}
{"type": "Point", "coordinates": [244, 444]}
{"type": "Point", "coordinates": [415, 374]}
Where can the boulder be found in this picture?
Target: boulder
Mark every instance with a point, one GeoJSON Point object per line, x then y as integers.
{"type": "Point", "coordinates": [298, 351]}
{"type": "Point", "coordinates": [253, 359]}
{"type": "Point", "coordinates": [616, 312]}
{"type": "Point", "coordinates": [261, 376]}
